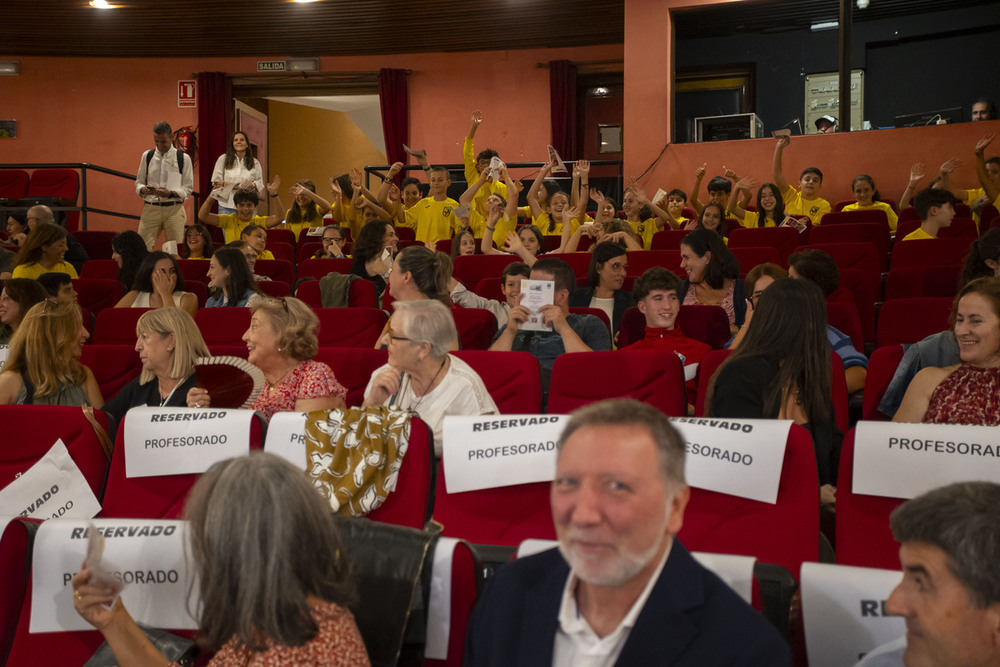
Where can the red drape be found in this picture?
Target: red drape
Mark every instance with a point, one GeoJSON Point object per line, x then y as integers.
{"type": "Point", "coordinates": [394, 101]}
{"type": "Point", "coordinates": [562, 90]}
{"type": "Point", "coordinates": [215, 117]}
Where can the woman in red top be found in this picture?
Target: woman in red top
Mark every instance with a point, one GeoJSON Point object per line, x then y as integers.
{"type": "Point", "coordinates": [969, 392]}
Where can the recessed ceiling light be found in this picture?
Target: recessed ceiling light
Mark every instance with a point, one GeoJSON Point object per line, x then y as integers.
{"type": "Point", "coordinates": [100, 4]}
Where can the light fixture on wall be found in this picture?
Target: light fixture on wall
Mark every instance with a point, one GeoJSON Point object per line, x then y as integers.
{"type": "Point", "coordinates": [101, 4]}
{"type": "Point", "coordinates": [827, 25]}
{"type": "Point", "coordinates": [599, 91]}
{"type": "Point", "coordinates": [10, 68]}
{"type": "Point", "coordinates": [862, 4]}
{"type": "Point", "coordinates": [302, 65]}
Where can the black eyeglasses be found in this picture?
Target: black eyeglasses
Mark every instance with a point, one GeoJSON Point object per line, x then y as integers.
{"type": "Point", "coordinates": [328, 240]}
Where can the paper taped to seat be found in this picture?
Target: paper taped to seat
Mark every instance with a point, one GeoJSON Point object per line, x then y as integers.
{"type": "Point", "coordinates": [491, 451]}
{"type": "Point", "coordinates": [286, 437]}
{"type": "Point", "coordinates": [178, 441]}
{"type": "Point", "coordinates": [898, 460]}
{"type": "Point", "coordinates": [739, 457]}
{"type": "Point", "coordinates": [843, 611]}
{"type": "Point", "coordinates": [146, 555]}
{"type": "Point", "coordinates": [52, 488]}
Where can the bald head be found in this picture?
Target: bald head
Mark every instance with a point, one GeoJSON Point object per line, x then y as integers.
{"type": "Point", "coordinates": [40, 213]}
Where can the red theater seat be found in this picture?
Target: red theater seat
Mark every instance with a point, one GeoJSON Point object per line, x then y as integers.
{"type": "Point", "coordinates": [275, 269]}
{"type": "Point", "coordinates": [114, 366]}
{"type": "Point", "coordinates": [116, 326]}
{"type": "Point", "coordinates": [317, 268]}
{"type": "Point", "coordinates": [470, 269]}
{"type": "Point", "coordinates": [411, 503]}
{"type": "Point", "coordinates": [785, 239]}
{"type": "Point", "coordinates": [350, 327]}
{"type": "Point", "coordinates": [104, 269]}
{"type": "Point", "coordinates": [96, 294]}
{"type": "Point", "coordinates": [96, 244]}
{"type": "Point", "coordinates": [904, 321]}
{"type": "Point", "coordinates": [222, 326]}
{"type": "Point", "coordinates": [919, 281]}
{"type": "Point", "coordinates": [925, 252]}
{"type": "Point", "coordinates": [881, 367]}
{"type": "Point", "coordinates": [477, 327]}
{"type": "Point", "coordinates": [353, 367]}
{"type": "Point", "coordinates": [512, 378]}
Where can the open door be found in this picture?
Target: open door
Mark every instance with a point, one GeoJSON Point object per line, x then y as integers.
{"type": "Point", "coordinates": [254, 123]}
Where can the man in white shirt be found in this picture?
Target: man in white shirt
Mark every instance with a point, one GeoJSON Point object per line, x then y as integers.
{"type": "Point", "coordinates": [164, 180]}
{"type": "Point", "coordinates": [620, 589]}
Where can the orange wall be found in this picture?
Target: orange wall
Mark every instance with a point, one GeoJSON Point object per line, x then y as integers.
{"type": "Point", "coordinates": [314, 144]}
{"type": "Point", "coordinates": [101, 110]}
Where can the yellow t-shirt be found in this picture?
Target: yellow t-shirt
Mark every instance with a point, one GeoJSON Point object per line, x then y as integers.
{"type": "Point", "coordinates": [35, 269]}
{"type": "Point", "coordinates": [645, 229]}
{"type": "Point", "coordinates": [544, 220]}
{"type": "Point", "coordinates": [477, 224]}
{"type": "Point", "coordinates": [876, 206]}
{"type": "Point", "coordinates": [918, 234]}
{"type": "Point", "coordinates": [354, 219]}
{"type": "Point", "coordinates": [471, 176]}
{"type": "Point", "coordinates": [796, 205]}
{"type": "Point", "coordinates": [231, 225]}
{"type": "Point", "coordinates": [751, 220]}
{"type": "Point", "coordinates": [297, 227]}
{"type": "Point", "coordinates": [265, 254]}
{"type": "Point", "coordinates": [433, 220]}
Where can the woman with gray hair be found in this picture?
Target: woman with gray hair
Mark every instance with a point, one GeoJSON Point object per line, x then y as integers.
{"type": "Point", "coordinates": [168, 342]}
{"type": "Point", "coordinates": [421, 375]}
{"type": "Point", "coordinates": [265, 600]}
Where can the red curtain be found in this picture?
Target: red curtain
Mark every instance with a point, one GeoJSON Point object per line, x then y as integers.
{"type": "Point", "coordinates": [215, 118]}
{"type": "Point", "coordinates": [562, 90]}
{"type": "Point", "coordinates": [394, 101]}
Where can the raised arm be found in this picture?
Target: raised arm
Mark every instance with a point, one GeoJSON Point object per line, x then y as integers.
{"type": "Point", "coordinates": [322, 205]}
{"type": "Point", "coordinates": [362, 202]}
{"type": "Point", "coordinates": [470, 192]}
{"type": "Point", "coordinates": [514, 245]}
{"type": "Point", "coordinates": [510, 212]}
{"type": "Point", "coordinates": [735, 206]}
{"type": "Point", "coordinates": [357, 182]}
{"type": "Point", "coordinates": [383, 191]}
{"type": "Point", "coordinates": [205, 212]}
{"type": "Point", "coordinates": [536, 208]}
{"type": "Point", "coordinates": [468, 147]}
{"type": "Point", "coordinates": [337, 211]}
{"type": "Point", "coordinates": [699, 174]}
{"type": "Point", "coordinates": [581, 182]}
{"type": "Point", "coordinates": [776, 168]}
{"type": "Point", "coordinates": [663, 217]}
{"type": "Point", "coordinates": [629, 240]}
{"type": "Point", "coordinates": [992, 189]}
{"type": "Point", "coordinates": [916, 175]}
{"type": "Point", "coordinates": [275, 217]}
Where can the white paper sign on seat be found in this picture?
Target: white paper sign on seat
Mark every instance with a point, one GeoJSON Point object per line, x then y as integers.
{"type": "Point", "coordinates": [898, 460]}
{"type": "Point", "coordinates": [740, 457]}
{"type": "Point", "coordinates": [491, 451]}
{"type": "Point", "coordinates": [52, 488]}
{"type": "Point", "coordinates": [286, 437]}
{"type": "Point", "coordinates": [178, 441]}
{"type": "Point", "coordinates": [146, 555]}
{"type": "Point", "coordinates": [843, 610]}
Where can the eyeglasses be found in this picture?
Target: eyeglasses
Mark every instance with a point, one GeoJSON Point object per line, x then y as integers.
{"type": "Point", "coordinates": [284, 304]}
{"type": "Point", "coordinates": [330, 240]}
{"type": "Point", "coordinates": [754, 298]}
{"type": "Point", "coordinates": [392, 336]}
{"type": "Point", "coordinates": [618, 266]}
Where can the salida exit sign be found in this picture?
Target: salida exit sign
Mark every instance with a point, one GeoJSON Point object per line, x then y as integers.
{"type": "Point", "coordinates": [270, 65]}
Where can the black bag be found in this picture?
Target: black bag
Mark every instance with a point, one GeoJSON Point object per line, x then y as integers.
{"type": "Point", "coordinates": [176, 649]}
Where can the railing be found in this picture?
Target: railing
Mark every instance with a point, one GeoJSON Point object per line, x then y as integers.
{"type": "Point", "coordinates": [612, 192]}
{"type": "Point", "coordinates": [64, 205]}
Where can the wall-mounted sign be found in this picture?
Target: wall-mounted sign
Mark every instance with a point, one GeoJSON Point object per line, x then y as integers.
{"type": "Point", "coordinates": [187, 94]}
{"type": "Point", "coordinates": [270, 65]}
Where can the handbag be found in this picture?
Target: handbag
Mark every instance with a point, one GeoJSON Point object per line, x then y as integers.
{"type": "Point", "coordinates": [175, 649]}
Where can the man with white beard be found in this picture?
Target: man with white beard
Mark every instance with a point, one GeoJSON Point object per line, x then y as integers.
{"type": "Point", "coordinates": [620, 589]}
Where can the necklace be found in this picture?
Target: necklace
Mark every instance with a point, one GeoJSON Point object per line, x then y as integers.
{"type": "Point", "coordinates": [164, 399]}
{"type": "Point", "coordinates": [272, 386]}
{"type": "Point", "coordinates": [429, 386]}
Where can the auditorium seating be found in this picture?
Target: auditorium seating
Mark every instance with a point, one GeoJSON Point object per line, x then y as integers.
{"type": "Point", "coordinates": [116, 326]}
{"type": "Point", "coordinates": [750, 257]}
{"type": "Point", "coordinates": [864, 215]}
{"type": "Point", "coordinates": [13, 185]}
{"type": "Point", "coordinates": [55, 187]}
{"type": "Point", "coordinates": [647, 375]}
{"type": "Point", "coordinates": [881, 367]}
{"type": "Point", "coordinates": [595, 312]}
{"type": "Point", "coordinates": [159, 497]}
{"type": "Point", "coordinates": [350, 327]}
{"type": "Point", "coordinates": [904, 321]}
{"type": "Point", "coordinates": [412, 502]}
{"type": "Point", "coordinates": [280, 235]}
{"type": "Point", "coordinates": [960, 228]}
{"type": "Point", "coordinates": [477, 327]}
{"type": "Point", "coordinates": [275, 269]}
{"type": "Point", "coordinates": [275, 289]}
{"type": "Point", "coordinates": [353, 367]}
{"type": "Point", "coordinates": [103, 269]}
{"type": "Point", "coordinates": [785, 533]}
{"type": "Point", "coordinates": [282, 251]}
{"type": "Point", "coordinates": [470, 269]}
{"type": "Point", "coordinates": [16, 538]}
{"type": "Point", "coordinates": [640, 260]}
{"type": "Point", "coordinates": [114, 366]}
{"type": "Point", "coordinates": [96, 244]}
{"type": "Point", "coordinates": [668, 239]}
{"type": "Point", "coordinates": [839, 206]}
{"type": "Point", "coordinates": [224, 325]}
{"type": "Point", "coordinates": [317, 268]}
{"type": "Point", "coordinates": [512, 378]}
{"type": "Point", "coordinates": [925, 252]}
{"type": "Point", "coordinates": [785, 239]}
{"type": "Point", "coordinates": [466, 579]}
{"type": "Point", "coordinates": [855, 232]}
{"type": "Point", "coordinates": [361, 293]}
{"type": "Point", "coordinates": [193, 269]}
{"type": "Point", "coordinates": [922, 281]}
{"type": "Point", "coordinates": [96, 294]}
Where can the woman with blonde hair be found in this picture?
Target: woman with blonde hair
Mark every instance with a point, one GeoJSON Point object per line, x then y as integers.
{"type": "Point", "coordinates": [44, 367]}
{"type": "Point", "coordinates": [44, 251]}
{"type": "Point", "coordinates": [168, 342]}
{"type": "Point", "coordinates": [282, 342]}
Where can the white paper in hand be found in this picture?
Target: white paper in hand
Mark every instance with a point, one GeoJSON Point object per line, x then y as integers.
{"type": "Point", "coordinates": [100, 575]}
{"type": "Point", "coordinates": [534, 295]}
{"type": "Point", "coordinates": [496, 164]}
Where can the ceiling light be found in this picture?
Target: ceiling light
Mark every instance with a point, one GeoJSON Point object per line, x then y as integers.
{"type": "Point", "coordinates": [828, 25]}
{"type": "Point", "coordinates": [862, 4]}
{"type": "Point", "coordinates": [100, 4]}
{"type": "Point", "coordinates": [599, 91]}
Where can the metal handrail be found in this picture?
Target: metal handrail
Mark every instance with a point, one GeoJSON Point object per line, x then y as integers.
{"type": "Point", "coordinates": [84, 167]}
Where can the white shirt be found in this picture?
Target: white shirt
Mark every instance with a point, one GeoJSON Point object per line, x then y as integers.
{"type": "Point", "coordinates": [237, 174]}
{"type": "Point", "coordinates": [163, 168]}
{"type": "Point", "coordinates": [577, 645]}
{"type": "Point", "coordinates": [607, 305]}
{"type": "Point", "coordinates": [460, 392]}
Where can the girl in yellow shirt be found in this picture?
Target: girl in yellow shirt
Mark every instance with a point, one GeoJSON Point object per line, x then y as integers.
{"type": "Point", "coordinates": [867, 199]}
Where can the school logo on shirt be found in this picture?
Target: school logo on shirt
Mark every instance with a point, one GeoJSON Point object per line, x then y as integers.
{"type": "Point", "coordinates": [446, 211]}
{"type": "Point", "coordinates": [814, 210]}
{"type": "Point", "coordinates": [642, 230]}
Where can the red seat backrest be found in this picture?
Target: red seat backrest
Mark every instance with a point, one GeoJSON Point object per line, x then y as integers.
{"type": "Point", "coordinates": [706, 369]}
{"type": "Point", "coordinates": [650, 376]}
{"type": "Point", "coordinates": [786, 533]}
{"type": "Point", "coordinates": [353, 367]}
{"type": "Point", "coordinates": [16, 539]}
{"type": "Point", "coordinates": [361, 294]}
{"type": "Point", "coordinates": [855, 232]}
{"type": "Point", "coordinates": [466, 580]}
{"type": "Point", "coordinates": [916, 281]}
{"type": "Point", "coordinates": [280, 235]}
{"type": "Point", "coordinates": [96, 244]}
{"type": "Point", "coordinates": [308, 293]}
{"type": "Point", "coordinates": [578, 261]}
{"type": "Point", "coordinates": [306, 250]}
{"type": "Point", "coordinates": [512, 378]}
{"type": "Point", "coordinates": [411, 503]}
{"type": "Point", "coordinates": [785, 239]}
{"type": "Point", "coordinates": [633, 327]}
{"type": "Point", "coordinates": [863, 287]}
{"type": "Point", "coordinates": [477, 327]}
{"type": "Point", "coordinates": [13, 183]}
{"type": "Point", "coordinates": [275, 289]}
{"type": "Point", "coordinates": [96, 294]}
{"type": "Point", "coordinates": [596, 312]}
{"type": "Point", "coordinates": [282, 251]}
{"type": "Point", "coordinates": [668, 239]}
{"type": "Point", "coordinates": [114, 366]}
{"type": "Point", "coordinates": [904, 321]}
{"type": "Point", "coordinates": [63, 183]}
{"type": "Point", "coordinates": [844, 317]}
{"type": "Point", "coordinates": [317, 268]}
{"type": "Point", "coordinates": [924, 252]}
{"type": "Point", "coordinates": [160, 497]}
{"type": "Point", "coordinates": [222, 326]}
{"type": "Point", "coordinates": [709, 324]}
{"type": "Point", "coordinates": [751, 257]}
{"type": "Point", "coordinates": [881, 368]}
{"type": "Point", "coordinates": [489, 288]}
{"type": "Point", "coordinates": [31, 430]}
{"type": "Point", "coordinates": [104, 269]}
{"type": "Point", "coordinates": [199, 289]}
{"type": "Point", "coordinates": [193, 269]}
{"type": "Point", "coordinates": [506, 515]}
{"type": "Point", "coordinates": [863, 535]}
{"type": "Point", "coordinates": [116, 326]}
{"type": "Point", "coordinates": [470, 269]}
{"type": "Point", "coordinates": [864, 215]}
{"type": "Point", "coordinates": [275, 269]}
{"type": "Point", "coordinates": [640, 260]}
{"type": "Point", "coordinates": [350, 327]}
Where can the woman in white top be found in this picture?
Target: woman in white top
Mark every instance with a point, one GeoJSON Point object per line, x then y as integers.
{"type": "Point", "coordinates": [158, 284]}
{"type": "Point", "coordinates": [237, 170]}
{"type": "Point", "coordinates": [421, 375]}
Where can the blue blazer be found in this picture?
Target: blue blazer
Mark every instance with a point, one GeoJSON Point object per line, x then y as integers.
{"type": "Point", "coordinates": [691, 618]}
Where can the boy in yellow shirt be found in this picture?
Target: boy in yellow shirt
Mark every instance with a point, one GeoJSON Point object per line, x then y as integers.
{"type": "Point", "coordinates": [433, 217]}
{"type": "Point", "coordinates": [475, 164]}
{"type": "Point", "coordinates": [935, 206]}
{"type": "Point", "coordinates": [806, 200]}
